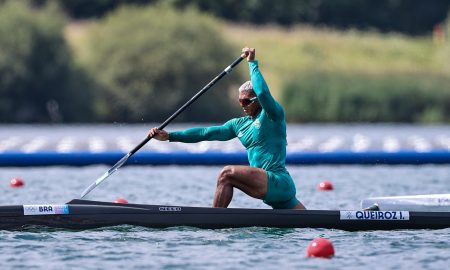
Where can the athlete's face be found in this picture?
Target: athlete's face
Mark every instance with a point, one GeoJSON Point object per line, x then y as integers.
{"type": "Point", "coordinates": [249, 103]}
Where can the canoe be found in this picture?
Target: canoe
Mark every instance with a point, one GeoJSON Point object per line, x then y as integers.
{"type": "Point", "coordinates": [85, 214]}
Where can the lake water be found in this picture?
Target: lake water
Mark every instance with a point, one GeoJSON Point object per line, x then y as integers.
{"type": "Point", "coordinates": [128, 247]}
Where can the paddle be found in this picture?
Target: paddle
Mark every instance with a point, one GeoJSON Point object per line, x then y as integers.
{"type": "Point", "coordinates": [162, 126]}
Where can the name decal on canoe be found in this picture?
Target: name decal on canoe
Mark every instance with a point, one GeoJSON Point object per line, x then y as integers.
{"type": "Point", "coordinates": [169, 208]}
{"type": "Point", "coordinates": [443, 201]}
{"type": "Point", "coordinates": [45, 209]}
{"type": "Point", "coordinates": [374, 215]}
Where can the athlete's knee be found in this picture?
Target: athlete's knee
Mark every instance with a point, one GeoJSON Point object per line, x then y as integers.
{"type": "Point", "coordinates": [299, 206]}
{"type": "Point", "coordinates": [226, 174]}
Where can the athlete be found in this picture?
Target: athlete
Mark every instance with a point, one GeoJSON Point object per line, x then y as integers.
{"type": "Point", "coordinates": [263, 133]}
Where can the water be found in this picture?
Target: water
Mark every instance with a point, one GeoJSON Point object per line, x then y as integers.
{"type": "Point", "coordinates": [128, 247]}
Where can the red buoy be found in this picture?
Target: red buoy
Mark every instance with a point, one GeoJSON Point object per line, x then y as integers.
{"type": "Point", "coordinates": [320, 247]}
{"type": "Point", "coordinates": [325, 186]}
{"type": "Point", "coordinates": [121, 200]}
{"type": "Point", "coordinates": [16, 182]}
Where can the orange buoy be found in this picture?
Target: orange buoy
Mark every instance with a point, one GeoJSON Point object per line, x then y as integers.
{"type": "Point", "coordinates": [16, 182]}
{"type": "Point", "coordinates": [121, 200]}
{"type": "Point", "coordinates": [325, 186]}
{"type": "Point", "coordinates": [320, 247]}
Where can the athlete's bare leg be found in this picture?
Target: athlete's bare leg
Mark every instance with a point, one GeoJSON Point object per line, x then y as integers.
{"type": "Point", "coordinates": [250, 180]}
{"type": "Point", "coordinates": [299, 206]}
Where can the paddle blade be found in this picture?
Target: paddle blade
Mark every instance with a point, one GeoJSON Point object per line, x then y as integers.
{"type": "Point", "coordinates": [105, 175]}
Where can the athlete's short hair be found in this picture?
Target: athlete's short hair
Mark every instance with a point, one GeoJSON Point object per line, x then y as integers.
{"type": "Point", "coordinates": [247, 86]}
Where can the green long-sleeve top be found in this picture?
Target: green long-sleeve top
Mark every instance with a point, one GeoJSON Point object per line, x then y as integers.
{"type": "Point", "coordinates": [264, 136]}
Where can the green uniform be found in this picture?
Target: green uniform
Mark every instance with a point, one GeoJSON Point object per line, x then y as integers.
{"type": "Point", "coordinates": [264, 137]}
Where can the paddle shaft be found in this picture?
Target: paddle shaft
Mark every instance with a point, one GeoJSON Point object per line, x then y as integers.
{"type": "Point", "coordinates": [162, 126]}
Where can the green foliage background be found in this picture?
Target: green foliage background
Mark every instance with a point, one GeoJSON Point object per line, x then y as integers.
{"type": "Point", "coordinates": [144, 59]}
{"type": "Point", "coordinates": [332, 96]}
{"type": "Point", "coordinates": [406, 16]}
{"type": "Point", "coordinates": [38, 79]}
{"type": "Point", "coordinates": [151, 61]}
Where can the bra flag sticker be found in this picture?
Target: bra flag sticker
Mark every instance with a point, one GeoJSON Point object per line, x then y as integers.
{"type": "Point", "coordinates": [374, 215]}
{"type": "Point", "coordinates": [45, 209]}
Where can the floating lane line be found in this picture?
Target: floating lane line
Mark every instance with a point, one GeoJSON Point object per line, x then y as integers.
{"type": "Point", "coordinates": [331, 144]}
{"type": "Point", "coordinates": [125, 144]}
{"type": "Point", "coordinates": [391, 144]}
{"type": "Point", "coordinates": [228, 147]}
{"type": "Point", "coordinates": [162, 147]}
{"type": "Point", "coordinates": [96, 144]}
{"type": "Point", "coordinates": [9, 143]}
{"type": "Point", "coordinates": [419, 143]}
{"type": "Point", "coordinates": [444, 141]}
{"type": "Point", "coordinates": [360, 143]}
{"type": "Point", "coordinates": [35, 144]}
{"type": "Point", "coordinates": [200, 147]}
{"type": "Point", "coordinates": [83, 158]}
{"type": "Point", "coordinates": [306, 143]}
{"type": "Point", "coordinates": [66, 145]}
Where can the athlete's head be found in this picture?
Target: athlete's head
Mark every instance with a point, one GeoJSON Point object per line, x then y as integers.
{"type": "Point", "coordinates": [247, 86]}
{"type": "Point", "coordinates": [249, 100]}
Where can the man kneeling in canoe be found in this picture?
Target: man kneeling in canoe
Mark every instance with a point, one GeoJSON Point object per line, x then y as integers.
{"type": "Point", "coordinates": [263, 133]}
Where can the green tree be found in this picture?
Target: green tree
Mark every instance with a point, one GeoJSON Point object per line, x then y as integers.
{"type": "Point", "coordinates": [152, 60]}
{"type": "Point", "coordinates": [37, 78]}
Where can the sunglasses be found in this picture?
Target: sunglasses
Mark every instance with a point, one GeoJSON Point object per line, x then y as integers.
{"type": "Point", "coordinates": [247, 101]}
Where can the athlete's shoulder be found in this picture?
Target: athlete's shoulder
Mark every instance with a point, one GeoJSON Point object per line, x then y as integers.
{"type": "Point", "coordinates": [280, 116]}
{"type": "Point", "coordinates": [237, 122]}
{"type": "Point", "coordinates": [242, 120]}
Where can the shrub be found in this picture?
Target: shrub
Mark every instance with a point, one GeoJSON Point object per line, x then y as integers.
{"type": "Point", "coordinates": [152, 60]}
{"type": "Point", "coordinates": [332, 96]}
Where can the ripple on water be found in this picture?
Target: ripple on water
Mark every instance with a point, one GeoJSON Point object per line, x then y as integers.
{"type": "Point", "coordinates": [132, 247]}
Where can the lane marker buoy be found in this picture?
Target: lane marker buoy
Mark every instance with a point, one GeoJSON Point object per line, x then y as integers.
{"type": "Point", "coordinates": [325, 186]}
{"type": "Point", "coordinates": [121, 200]}
{"type": "Point", "coordinates": [16, 182]}
{"type": "Point", "coordinates": [321, 248]}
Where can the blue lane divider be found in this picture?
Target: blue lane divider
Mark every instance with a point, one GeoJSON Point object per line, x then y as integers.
{"type": "Point", "coordinates": [13, 159]}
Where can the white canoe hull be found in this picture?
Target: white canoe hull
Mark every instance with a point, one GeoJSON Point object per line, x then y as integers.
{"type": "Point", "coordinates": [430, 202]}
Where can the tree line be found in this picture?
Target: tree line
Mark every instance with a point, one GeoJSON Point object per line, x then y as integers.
{"type": "Point", "coordinates": [412, 17]}
{"type": "Point", "coordinates": [144, 61]}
